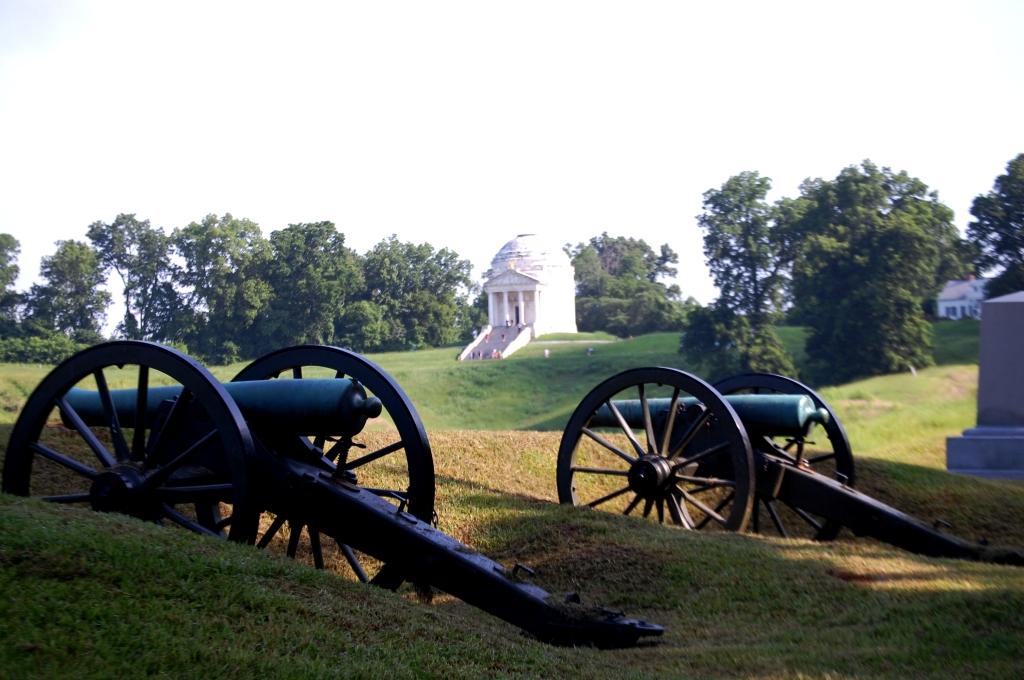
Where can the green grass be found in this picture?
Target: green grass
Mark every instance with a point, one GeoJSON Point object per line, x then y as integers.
{"type": "Point", "coordinates": [88, 595]}
{"type": "Point", "coordinates": [526, 391]}
{"type": "Point", "coordinates": [576, 337]}
{"type": "Point", "coordinates": [956, 342]}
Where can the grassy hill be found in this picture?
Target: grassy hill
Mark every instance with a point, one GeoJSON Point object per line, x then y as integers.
{"type": "Point", "coordinates": [88, 595]}
{"type": "Point", "coordinates": [525, 391]}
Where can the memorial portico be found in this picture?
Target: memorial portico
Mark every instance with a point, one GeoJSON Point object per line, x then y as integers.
{"type": "Point", "coordinates": [532, 283]}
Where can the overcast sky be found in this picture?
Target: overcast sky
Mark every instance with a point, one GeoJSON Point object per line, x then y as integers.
{"type": "Point", "coordinates": [464, 124]}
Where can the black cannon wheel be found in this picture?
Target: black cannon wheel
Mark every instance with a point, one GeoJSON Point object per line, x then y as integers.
{"type": "Point", "coordinates": [695, 466]}
{"type": "Point", "coordinates": [413, 487]}
{"type": "Point", "coordinates": [155, 474]}
{"type": "Point", "coordinates": [792, 451]}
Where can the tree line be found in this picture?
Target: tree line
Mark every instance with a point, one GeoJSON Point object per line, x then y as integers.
{"type": "Point", "coordinates": [859, 260]}
{"type": "Point", "coordinates": [221, 290]}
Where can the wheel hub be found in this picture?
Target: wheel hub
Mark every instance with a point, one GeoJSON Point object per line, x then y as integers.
{"type": "Point", "coordinates": [121, 489]}
{"type": "Point", "coordinates": [648, 475]}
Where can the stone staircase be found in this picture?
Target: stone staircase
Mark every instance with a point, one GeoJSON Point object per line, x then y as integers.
{"type": "Point", "coordinates": [485, 349]}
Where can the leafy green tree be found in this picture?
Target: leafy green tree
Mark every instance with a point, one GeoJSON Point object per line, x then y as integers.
{"type": "Point", "coordinates": [725, 344]}
{"type": "Point", "coordinates": [749, 251]}
{"type": "Point", "coordinates": [224, 264]}
{"type": "Point", "coordinates": [606, 260]}
{"type": "Point", "coordinates": [141, 256]}
{"type": "Point", "coordinates": [873, 242]}
{"type": "Point", "coordinates": [998, 230]}
{"type": "Point", "coordinates": [618, 288]}
{"type": "Point", "coordinates": [420, 292]}
{"type": "Point", "coordinates": [10, 300]}
{"type": "Point", "coordinates": [313, 276]}
{"type": "Point", "coordinates": [361, 327]}
{"type": "Point", "coordinates": [70, 301]}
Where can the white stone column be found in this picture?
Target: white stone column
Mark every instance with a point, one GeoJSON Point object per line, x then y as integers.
{"type": "Point", "coordinates": [490, 308]}
{"type": "Point", "coordinates": [504, 307]}
{"type": "Point", "coordinates": [536, 312]}
{"type": "Point", "coordinates": [522, 306]}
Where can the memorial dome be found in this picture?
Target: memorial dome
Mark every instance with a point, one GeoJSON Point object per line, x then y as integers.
{"type": "Point", "coordinates": [530, 254]}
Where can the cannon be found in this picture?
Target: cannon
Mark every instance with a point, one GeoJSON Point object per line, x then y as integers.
{"type": "Point", "coordinates": [715, 457]}
{"type": "Point", "coordinates": [274, 447]}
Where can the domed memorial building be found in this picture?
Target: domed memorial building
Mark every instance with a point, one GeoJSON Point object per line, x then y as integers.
{"type": "Point", "coordinates": [532, 282]}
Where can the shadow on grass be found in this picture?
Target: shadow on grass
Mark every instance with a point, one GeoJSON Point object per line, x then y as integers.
{"type": "Point", "coordinates": [750, 606]}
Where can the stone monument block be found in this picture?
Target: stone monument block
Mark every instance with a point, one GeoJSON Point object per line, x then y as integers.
{"type": "Point", "coordinates": [995, 448]}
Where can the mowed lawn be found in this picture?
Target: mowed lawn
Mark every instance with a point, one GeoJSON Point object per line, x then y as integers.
{"type": "Point", "coordinates": [87, 595]}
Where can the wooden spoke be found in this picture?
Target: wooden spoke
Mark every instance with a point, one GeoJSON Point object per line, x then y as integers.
{"type": "Point", "coordinates": [61, 459]}
{"type": "Point", "coordinates": [141, 402]}
{"type": "Point", "coordinates": [156, 441]}
{"type": "Point", "coordinates": [817, 459]}
{"type": "Point", "coordinates": [625, 428]}
{"type": "Point", "coordinates": [807, 518]}
{"type": "Point", "coordinates": [294, 533]}
{"type": "Point", "coordinates": [775, 518]}
{"type": "Point", "coordinates": [647, 507]}
{"type": "Point", "coordinates": [706, 482]}
{"type": "Point", "coordinates": [116, 435]}
{"type": "Point", "coordinates": [161, 474]}
{"type": "Point", "coordinates": [718, 508]}
{"type": "Point", "coordinates": [353, 562]}
{"type": "Point", "coordinates": [705, 509]}
{"type": "Point", "coordinates": [69, 498]}
{"type": "Point", "coordinates": [673, 407]}
{"type": "Point", "coordinates": [224, 523]}
{"type": "Point", "coordinates": [608, 445]}
{"type": "Point", "coordinates": [76, 422]}
{"type": "Point", "coordinates": [314, 546]}
{"type": "Point", "coordinates": [690, 434]}
{"type": "Point", "coordinates": [209, 493]}
{"type": "Point", "coordinates": [370, 457]}
{"type": "Point", "coordinates": [632, 505]}
{"type": "Point", "coordinates": [679, 514]}
{"type": "Point", "coordinates": [661, 510]}
{"type": "Point", "coordinates": [608, 497]}
{"type": "Point", "coordinates": [275, 526]}
{"type": "Point", "coordinates": [297, 373]}
{"type": "Point", "coordinates": [710, 451]}
{"type": "Point", "coordinates": [601, 471]}
{"type": "Point", "coordinates": [652, 443]}
{"type": "Point", "coordinates": [180, 519]}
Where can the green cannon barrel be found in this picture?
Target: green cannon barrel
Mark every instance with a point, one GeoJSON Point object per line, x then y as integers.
{"type": "Point", "coordinates": [331, 407]}
{"type": "Point", "coordinates": [778, 415]}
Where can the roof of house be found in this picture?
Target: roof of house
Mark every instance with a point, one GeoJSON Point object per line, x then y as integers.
{"type": "Point", "coordinates": [960, 289]}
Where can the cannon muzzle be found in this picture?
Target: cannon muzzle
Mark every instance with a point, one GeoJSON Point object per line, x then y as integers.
{"type": "Point", "coordinates": [337, 407]}
{"type": "Point", "coordinates": [777, 415]}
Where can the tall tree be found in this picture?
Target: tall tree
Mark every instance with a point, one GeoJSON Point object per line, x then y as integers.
{"type": "Point", "coordinates": [873, 241]}
{"type": "Point", "coordinates": [420, 292]}
{"type": "Point", "coordinates": [618, 288]}
{"type": "Point", "coordinates": [140, 254]}
{"type": "Point", "coordinates": [224, 265]}
{"type": "Point", "coordinates": [605, 260]}
{"type": "Point", "coordinates": [70, 301]}
{"type": "Point", "coordinates": [9, 298]}
{"type": "Point", "coordinates": [748, 251]}
{"type": "Point", "coordinates": [313, 276]}
{"type": "Point", "coordinates": [998, 230]}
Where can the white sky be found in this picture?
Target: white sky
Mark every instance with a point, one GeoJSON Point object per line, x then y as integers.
{"type": "Point", "coordinates": [465, 123]}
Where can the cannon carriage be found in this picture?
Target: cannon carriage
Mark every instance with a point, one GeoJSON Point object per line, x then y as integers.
{"type": "Point", "coordinates": [276, 447]}
{"type": "Point", "coordinates": [659, 442]}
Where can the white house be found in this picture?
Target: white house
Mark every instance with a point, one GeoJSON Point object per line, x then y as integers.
{"type": "Point", "coordinates": [961, 299]}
